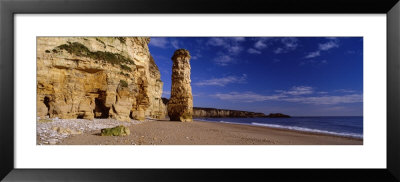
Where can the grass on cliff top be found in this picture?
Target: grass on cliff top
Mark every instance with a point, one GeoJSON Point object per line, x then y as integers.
{"type": "Point", "coordinates": [79, 49]}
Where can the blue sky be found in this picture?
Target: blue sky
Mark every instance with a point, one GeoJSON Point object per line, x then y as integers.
{"type": "Point", "coordinates": [299, 76]}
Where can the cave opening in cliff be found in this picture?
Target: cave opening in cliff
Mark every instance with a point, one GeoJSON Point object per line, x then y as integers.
{"type": "Point", "coordinates": [100, 110]}
{"type": "Point", "coordinates": [80, 116]}
{"type": "Point", "coordinates": [46, 101]}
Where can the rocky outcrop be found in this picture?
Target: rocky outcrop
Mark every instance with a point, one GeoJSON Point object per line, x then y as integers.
{"type": "Point", "coordinates": [157, 108]}
{"type": "Point", "coordinates": [199, 112]}
{"type": "Point", "coordinates": [278, 115]}
{"type": "Point", "coordinates": [116, 131]}
{"type": "Point", "coordinates": [97, 77]}
{"type": "Point", "coordinates": [180, 105]}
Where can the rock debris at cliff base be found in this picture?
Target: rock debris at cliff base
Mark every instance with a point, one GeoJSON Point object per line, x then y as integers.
{"type": "Point", "coordinates": [53, 131]}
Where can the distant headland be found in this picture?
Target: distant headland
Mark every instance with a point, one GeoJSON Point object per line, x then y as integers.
{"type": "Point", "coordinates": [203, 112]}
{"type": "Point", "coordinates": [199, 112]}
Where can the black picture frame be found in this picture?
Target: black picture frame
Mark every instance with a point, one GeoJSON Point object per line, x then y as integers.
{"type": "Point", "coordinates": [9, 8]}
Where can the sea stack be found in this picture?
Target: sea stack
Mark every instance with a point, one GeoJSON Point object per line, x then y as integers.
{"type": "Point", "coordinates": [180, 105]}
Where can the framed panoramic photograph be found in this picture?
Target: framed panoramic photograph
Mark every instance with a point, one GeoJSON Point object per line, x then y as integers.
{"type": "Point", "coordinates": [130, 90]}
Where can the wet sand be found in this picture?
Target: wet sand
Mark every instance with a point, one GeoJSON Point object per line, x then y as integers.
{"type": "Point", "coordinates": [207, 133]}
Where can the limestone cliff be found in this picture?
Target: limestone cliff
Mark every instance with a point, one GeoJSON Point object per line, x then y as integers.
{"type": "Point", "coordinates": [97, 77]}
{"type": "Point", "coordinates": [200, 112]}
{"type": "Point", "coordinates": [224, 113]}
{"type": "Point", "coordinates": [203, 112]}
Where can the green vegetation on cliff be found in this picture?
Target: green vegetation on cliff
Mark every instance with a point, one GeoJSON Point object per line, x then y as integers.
{"type": "Point", "coordinates": [123, 83]}
{"type": "Point", "coordinates": [79, 49]}
{"type": "Point", "coordinates": [121, 39]}
{"type": "Point", "coordinates": [125, 67]}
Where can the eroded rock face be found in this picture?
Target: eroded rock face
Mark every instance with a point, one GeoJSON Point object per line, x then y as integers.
{"type": "Point", "coordinates": [180, 105]}
{"type": "Point", "coordinates": [97, 77]}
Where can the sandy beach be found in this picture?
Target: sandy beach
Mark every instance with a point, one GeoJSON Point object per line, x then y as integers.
{"type": "Point", "coordinates": [162, 132]}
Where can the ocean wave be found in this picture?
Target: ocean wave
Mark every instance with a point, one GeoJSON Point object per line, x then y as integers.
{"type": "Point", "coordinates": [231, 122]}
{"type": "Point", "coordinates": [354, 135]}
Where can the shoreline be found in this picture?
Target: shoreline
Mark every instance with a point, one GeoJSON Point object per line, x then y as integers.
{"type": "Point", "coordinates": [165, 132]}
{"type": "Point", "coordinates": [286, 129]}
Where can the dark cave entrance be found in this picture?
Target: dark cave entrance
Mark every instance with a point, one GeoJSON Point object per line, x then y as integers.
{"type": "Point", "coordinates": [80, 116]}
{"type": "Point", "coordinates": [130, 115]}
{"type": "Point", "coordinates": [100, 110]}
{"type": "Point", "coordinates": [46, 102]}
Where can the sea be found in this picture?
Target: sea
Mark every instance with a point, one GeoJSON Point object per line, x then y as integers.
{"type": "Point", "coordinates": [334, 125]}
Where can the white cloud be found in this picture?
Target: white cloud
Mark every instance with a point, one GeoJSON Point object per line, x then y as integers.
{"type": "Point", "coordinates": [313, 54]}
{"type": "Point", "coordinates": [196, 56]}
{"type": "Point", "coordinates": [239, 39]}
{"type": "Point", "coordinates": [295, 94]}
{"type": "Point", "coordinates": [300, 90]}
{"type": "Point", "coordinates": [175, 44]}
{"type": "Point", "coordinates": [200, 41]}
{"type": "Point", "coordinates": [253, 51]}
{"type": "Point", "coordinates": [225, 41]}
{"type": "Point", "coordinates": [161, 42]}
{"type": "Point", "coordinates": [333, 43]}
{"type": "Point", "coordinates": [345, 91]}
{"type": "Point", "coordinates": [317, 100]}
{"type": "Point", "coordinates": [328, 100]}
{"type": "Point", "coordinates": [246, 97]}
{"type": "Point", "coordinates": [166, 94]}
{"type": "Point", "coordinates": [164, 42]}
{"type": "Point", "coordinates": [290, 43]}
{"type": "Point", "coordinates": [223, 60]}
{"type": "Point", "coordinates": [260, 44]}
{"type": "Point", "coordinates": [218, 41]}
{"type": "Point", "coordinates": [336, 108]}
{"type": "Point", "coordinates": [328, 45]}
{"type": "Point", "coordinates": [235, 50]}
{"type": "Point", "coordinates": [278, 50]}
{"type": "Point", "coordinates": [230, 44]}
{"type": "Point", "coordinates": [222, 81]}
{"type": "Point", "coordinates": [284, 45]}
{"type": "Point", "coordinates": [314, 62]}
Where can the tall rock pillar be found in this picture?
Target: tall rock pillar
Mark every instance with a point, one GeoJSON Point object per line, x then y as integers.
{"type": "Point", "coordinates": [180, 105]}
